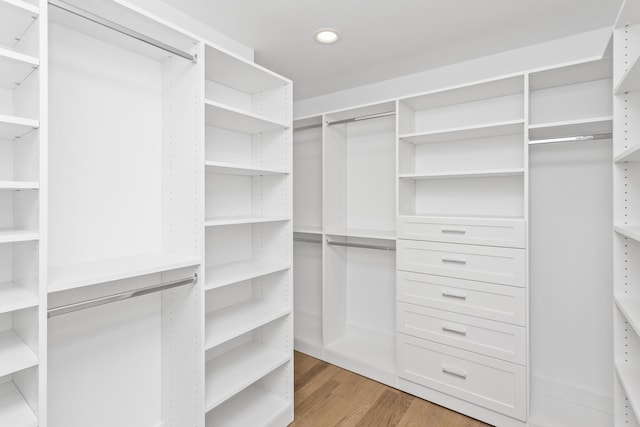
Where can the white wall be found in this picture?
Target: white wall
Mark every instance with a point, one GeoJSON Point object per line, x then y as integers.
{"type": "Point", "coordinates": [568, 49]}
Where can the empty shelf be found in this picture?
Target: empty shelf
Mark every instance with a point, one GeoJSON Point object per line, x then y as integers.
{"type": "Point", "coordinates": [227, 274]}
{"type": "Point", "coordinates": [630, 307]}
{"type": "Point", "coordinates": [236, 370]}
{"type": "Point", "coordinates": [231, 322]}
{"type": "Point", "coordinates": [226, 117]}
{"type": "Point", "coordinates": [589, 126]}
{"type": "Point", "coordinates": [17, 16]}
{"type": "Point", "coordinates": [14, 297]}
{"type": "Point", "coordinates": [629, 377]}
{"type": "Point", "coordinates": [254, 406]}
{"type": "Point", "coordinates": [73, 276]}
{"type": "Point", "coordinates": [19, 185]}
{"type": "Point", "coordinates": [464, 133]}
{"type": "Point", "coordinates": [245, 219]}
{"type": "Point", "coordinates": [14, 410]}
{"type": "Point", "coordinates": [628, 231]}
{"type": "Point", "coordinates": [12, 127]}
{"type": "Point", "coordinates": [15, 67]}
{"type": "Point", "coordinates": [363, 232]}
{"type": "Point", "coordinates": [630, 80]}
{"type": "Point", "coordinates": [12, 236]}
{"type": "Point", "coordinates": [237, 169]}
{"type": "Point", "coordinates": [631, 154]}
{"type": "Point", "coordinates": [466, 174]}
{"type": "Point", "coordinates": [15, 354]}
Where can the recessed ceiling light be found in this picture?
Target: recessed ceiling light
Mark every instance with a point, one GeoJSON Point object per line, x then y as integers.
{"type": "Point", "coordinates": [326, 36]}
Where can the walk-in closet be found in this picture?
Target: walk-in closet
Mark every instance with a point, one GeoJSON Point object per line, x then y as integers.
{"type": "Point", "coordinates": [316, 214]}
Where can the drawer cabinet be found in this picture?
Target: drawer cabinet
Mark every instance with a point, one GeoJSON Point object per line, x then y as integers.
{"type": "Point", "coordinates": [486, 300]}
{"type": "Point", "coordinates": [472, 231]}
{"type": "Point", "coordinates": [485, 381]}
{"type": "Point", "coordinates": [504, 266]}
{"type": "Point", "coordinates": [495, 339]}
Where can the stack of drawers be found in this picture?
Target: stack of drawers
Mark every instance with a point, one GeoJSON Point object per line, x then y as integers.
{"type": "Point", "coordinates": [461, 309]}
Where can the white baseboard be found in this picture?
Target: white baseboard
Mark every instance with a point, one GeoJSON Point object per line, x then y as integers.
{"type": "Point", "coordinates": [555, 404]}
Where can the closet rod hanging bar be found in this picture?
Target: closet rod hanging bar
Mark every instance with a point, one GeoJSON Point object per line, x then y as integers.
{"type": "Point", "coordinates": [357, 119]}
{"type": "Point", "coordinates": [297, 239]}
{"type": "Point", "coordinates": [70, 308]}
{"type": "Point", "coordinates": [361, 245]}
{"type": "Point", "coordinates": [301, 128]}
{"type": "Point", "coordinates": [576, 138]}
{"type": "Point", "coordinates": [121, 29]}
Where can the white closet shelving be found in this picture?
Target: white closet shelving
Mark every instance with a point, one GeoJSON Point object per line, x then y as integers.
{"type": "Point", "coordinates": [22, 338]}
{"type": "Point", "coordinates": [248, 226]}
{"type": "Point", "coordinates": [626, 206]}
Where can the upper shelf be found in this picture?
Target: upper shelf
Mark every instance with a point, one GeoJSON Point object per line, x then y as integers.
{"type": "Point", "coordinates": [362, 233]}
{"type": "Point", "coordinates": [15, 67]}
{"type": "Point", "coordinates": [631, 154]}
{"type": "Point", "coordinates": [630, 307]}
{"type": "Point", "coordinates": [465, 133]}
{"type": "Point", "coordinates": [19, 185]}
{"type": "Point", "coordinates": [12, 127]}
{"type": "Point", "coordinates": [628, 231]}
{"type": "Point", "coordinates": [239, 73]}
{"type": "Point", "coordinates": [62, 278]}
{"type": "Point", "coordinates": [572, 74]}
{"type": "Point", "coordinates": [591, 126]}
{"type": "Point", "coordinates": [17, 16]}
{"type": "Point", "coordinates": [227, 117]}
{"type": "Point", "coordinates": [239, 169]}
{"type": "Point", "coordinates": [14, 236]}
{"type": "Point", "coordinates": [630, 80]}
{"type": "Point", "coordinates": [234, 272]}
{"type": "Point", "coordinates": [245, 219]}
{"type": "Point", "coordinates": [466, 174]}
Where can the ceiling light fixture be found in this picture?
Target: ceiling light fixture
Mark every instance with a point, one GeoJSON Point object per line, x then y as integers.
{"type": "Point", "coordinates": [326, 36]}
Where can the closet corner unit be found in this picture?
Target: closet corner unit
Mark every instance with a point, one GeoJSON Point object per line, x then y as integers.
{"type": "Point", "coordinates": [626, 211]}
{"type": "Point", "coordinates": [248, 243]}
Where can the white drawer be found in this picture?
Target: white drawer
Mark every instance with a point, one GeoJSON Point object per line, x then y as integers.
{"type": "Point", "coordinates": [495, 339]}
{"type": "Point", "coordinates": [480, 299]}
{"type": "Point", "coordinates": [505, 266]}
{"type": "Point", "coordinates": [492, 383]}
{"type": "Point", "coordinates": [473, 231]}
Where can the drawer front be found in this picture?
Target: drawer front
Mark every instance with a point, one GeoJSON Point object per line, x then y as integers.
{"type": "Point", "coordinates": [504, 266]}
{"type": "Point", "coordinates": [479, 299]}
{"type": "Point", "coordinates": [504, 233]}
{"type": "Point", "coordinates": [495, 339]}
{"type": "Point", "coordinates": [495, 384]}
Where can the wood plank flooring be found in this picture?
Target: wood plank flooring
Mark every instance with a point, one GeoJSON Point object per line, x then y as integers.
{"type": "Point", "coordinates": [327, 396]}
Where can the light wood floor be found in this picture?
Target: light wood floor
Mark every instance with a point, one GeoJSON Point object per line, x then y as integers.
{"type": "Point", "coordinates": [327, 396]}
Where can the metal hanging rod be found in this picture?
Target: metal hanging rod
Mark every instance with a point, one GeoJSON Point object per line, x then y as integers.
{"type": "Point", "coordinates": [120, 28]}
{"type": "Point", "coordinates": [576, 138]}
{"type": "Point", "coordinates": [361, 245]}
{"type": "Point", "coordinates": [301, 128]}
{"type": "Point", "coordinates": [358, 119]}
{"type": "Point", "coordinates": [70, 308]}
{"type": "Point", "coordinates": [299, 239]}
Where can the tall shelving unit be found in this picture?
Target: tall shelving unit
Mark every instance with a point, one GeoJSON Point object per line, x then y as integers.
{"type": "Point", "coordinates": [22, 218]}
{"type": "Point", "coordinates": [626, 206]}
{"type": "Point", "coordinates": [248, 254]}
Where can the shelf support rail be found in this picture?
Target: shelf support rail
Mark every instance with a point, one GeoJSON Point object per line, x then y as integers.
{"type": "Point", "coordinates": [121, 29]}
{"type": "Point", "coordinates": [361, 118]}
{"type": "Point", "coordinates": [82, 305]}
{"type": "Point", "coordinates": [361, 245]}
{"type": "Point", "coordinates": [576, 138]}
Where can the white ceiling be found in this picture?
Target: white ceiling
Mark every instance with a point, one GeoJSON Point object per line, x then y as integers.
{"type": "Point", "coordinates": [382, 39]}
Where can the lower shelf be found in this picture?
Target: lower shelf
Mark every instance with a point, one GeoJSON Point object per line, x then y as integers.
{"type": "Point", "coordinates": [254, 406]}
{"type": "Point", "coordinates": [14, 297]}
{"type": "Point", "coordinates": [630, 379]}
{"type": "Point", "coordinates": [14, 411]}
{"type": "Point", "coordinates": [15, 354]}
{"type": "Point", "coordinates": [238, 369]}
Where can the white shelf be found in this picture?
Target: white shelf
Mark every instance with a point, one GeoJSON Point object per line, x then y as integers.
{"type": "Point", "coordinates": [235, 220]}
{"type": "Point", "coordinates": [254, 406]}
{"type": "Point", "coordinates": [363, 233]}
{"type": "Point", "coordinates": [308, 229]}
{"type": "Point", "coordinates": [630, 80]}
{"type": "Point", "coordinates": [19, 185]}
{"type": "Point", "coordinates": [588, 126]}
{"type": "Point", "coordinates": [630, 307]}
{"type": "Point", "coordinates": [465, 133]}
{"type": "Point", "coordinates": [14, 297]}
{"type": "Point", "coordinates": [227, 274]}
{"type": "Point", "coordinates": [62, 278]}
{"type": "Point", "coordinates": [466, 174]}
{"type": "Point", "coordinates": [628, 231]}
{"type": "Point", "coordinates": [17, 16]}
{"type": "Point", "coordinates": [14, 410]}
{"type": "Point", "coordinates": [581, 72]}
{"type": "Point", "coordinates": [231, 322]}
{"type": "Point", "coordinates": [14, 236]}
{"type": "Point", "coordinates": [15, 354]}
{"type": "Point", "coordinates": [12, 127]}
{"type": "Point", "coordinates": [236, 370]}
{"type": "Point", "coordinates": [629, 377]}
{"type": "Point", "coordinates": [237, 169]}
{"type": "Point", "coordinates": [227, 117]}
{"type": "Point", "coordinates": [15, 67]}
{"type": "Point", "coordinates": [631, 154]}
{"type": "Point", "coordinates": [448, 215]}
